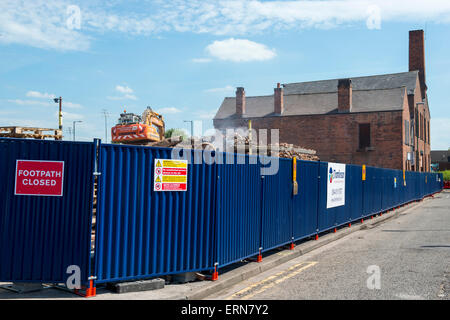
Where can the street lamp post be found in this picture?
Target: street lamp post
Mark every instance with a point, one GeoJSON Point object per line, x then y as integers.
{"type": "Point", "coordinates": [73, 130]}
{"type": "Point", "coordinates": [59, 100]}
{"type": "Point", "coordinates": [192, 127]}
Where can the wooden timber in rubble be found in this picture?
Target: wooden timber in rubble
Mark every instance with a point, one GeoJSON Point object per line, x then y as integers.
{"type": "Point", "coordinates": [30, 133]}
{"type": "Point", "coordinates": [279, 151]}
{"type": "Point", "coordinates": [282, 150]}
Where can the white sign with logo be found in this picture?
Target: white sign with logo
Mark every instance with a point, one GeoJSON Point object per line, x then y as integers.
{"type": "Point", "coordinates": [335, 185]}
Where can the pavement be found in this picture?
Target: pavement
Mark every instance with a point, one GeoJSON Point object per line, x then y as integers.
{"type": "Point", "coordinates": [409, 249]}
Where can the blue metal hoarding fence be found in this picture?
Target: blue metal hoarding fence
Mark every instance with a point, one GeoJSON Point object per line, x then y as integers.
{"type": "Point", "coordinates": [142, 233]}
{"type": "Point", "coordinates": [229, 212]}
{"type": "Point", "coordinates": [41, 236]}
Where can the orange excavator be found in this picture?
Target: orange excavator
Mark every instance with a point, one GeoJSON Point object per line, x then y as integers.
{"type": "Point", "coordinates": [135, 129]}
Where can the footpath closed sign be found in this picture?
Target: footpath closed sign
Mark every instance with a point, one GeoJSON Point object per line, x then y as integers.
{"type": "Point", "coordinates": [336, 185]}
{"type": "Point", "coordinates": [39, 178]}
{"type": "Point", "coordinates": [170, 175]}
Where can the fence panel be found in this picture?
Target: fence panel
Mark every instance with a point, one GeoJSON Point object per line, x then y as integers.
{"type": "Point", "coordinates": [142, 233]}
{"type": "Point", "coordinates": [238, 209]}
{"type": "Point", "coordinates": [41, 236]}
{"type": "Point", "coordinates": [354, 192]}
{"type": "Point", "coordinates": [304, 205]}
{"type": "Point", "coordinates": [326, 217]}
{"type": "Point", "coordinates": [277, 207]}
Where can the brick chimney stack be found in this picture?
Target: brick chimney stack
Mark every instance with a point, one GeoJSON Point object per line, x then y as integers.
{"type": "Point", "coordinates": [345, 92]}
{"type": "Point", "coordinates": [240, 101]}
{"type": "Point", "coordinates": [417, 56]}
{"type": "Point", "coordinates": [278, 99]}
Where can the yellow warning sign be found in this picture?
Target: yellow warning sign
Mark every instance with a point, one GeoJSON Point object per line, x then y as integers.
{"type": "Point", "coordinates": [179, 179]}
{"type": "Point", "coordinates": [170, 175]}
{"type": "Point", "coordinates": [364, 172]}
{"type": "Point", "coordinates": [174, 164]}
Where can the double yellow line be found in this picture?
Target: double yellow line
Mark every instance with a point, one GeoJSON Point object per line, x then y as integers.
{"type": "Point", "coordinates": [271, 281]}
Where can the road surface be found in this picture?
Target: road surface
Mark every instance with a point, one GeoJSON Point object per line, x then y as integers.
{"type": "Point", "coordinates": [406, 257]}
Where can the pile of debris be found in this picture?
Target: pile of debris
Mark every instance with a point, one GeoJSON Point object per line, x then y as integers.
{"type": "Point", "coordinates": [290, 151]}
{"type": "Point", "coordinates": [242, 144]}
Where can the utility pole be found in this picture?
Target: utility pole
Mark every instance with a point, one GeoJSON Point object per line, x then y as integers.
{"type": "Point", "coordinates": [106, 114]}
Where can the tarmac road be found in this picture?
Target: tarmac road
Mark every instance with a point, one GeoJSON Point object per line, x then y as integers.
{"type": "Point", "coordinates": [410, 253]}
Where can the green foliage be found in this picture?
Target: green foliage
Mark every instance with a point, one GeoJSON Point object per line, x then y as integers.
{"type": "Point", "coordinates": [446, 175]}
{"type": "Point", "coordinates": [174, 132]}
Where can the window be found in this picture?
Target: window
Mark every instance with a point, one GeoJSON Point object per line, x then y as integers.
{"type": "Point", "coordinates": [407, 139]}
{"type": "Point", "coordinates": [417, 124]}
{"type": "Point", "coordinates": [364, 135]}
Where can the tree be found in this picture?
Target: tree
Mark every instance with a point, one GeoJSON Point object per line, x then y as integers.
{"type": "Point", "coordinates": [175, 132]}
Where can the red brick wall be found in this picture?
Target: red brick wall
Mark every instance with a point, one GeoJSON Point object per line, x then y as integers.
{"type": "Point", "coordinates": [336, 138]}
{"type": "Point", "coordinates": [421, 145]}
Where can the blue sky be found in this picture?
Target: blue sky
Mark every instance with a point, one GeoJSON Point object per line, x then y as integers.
{"type": "Point", "coordinates": [183, 57]}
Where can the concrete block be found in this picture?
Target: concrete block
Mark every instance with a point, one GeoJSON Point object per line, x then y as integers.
{"type": "Point", "coordinates": [136, 286]}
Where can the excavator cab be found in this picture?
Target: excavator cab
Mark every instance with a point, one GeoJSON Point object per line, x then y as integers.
{"type": "Point", "coordinates": [128, 118]}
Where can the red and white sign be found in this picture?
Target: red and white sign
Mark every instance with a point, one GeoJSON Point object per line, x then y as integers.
{"type": "Point", "coordinates": [170, 175]}
{"type": "Point", "coordinates": [39, 178]}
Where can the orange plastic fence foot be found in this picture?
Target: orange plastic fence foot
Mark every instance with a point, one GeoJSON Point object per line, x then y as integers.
{"type": "Point", "coordinates": [259, 259]}
{"type": "Point", "coordinates": [371, 217]}
{"type": "Point", "coordinates": [335, 230]}
{"type": "Point", "coordinates": [215, 275]}
{"type": "Point", "coordinates": [317, 237]}
{"type": "Point", "coordinates": [91, 291]}
{"type": "Point", "coordinates": [292, 246]}
{"type": "Point", "coordinates": [349, 225]}
{"type": "Point", "coordinates": [362, 220]}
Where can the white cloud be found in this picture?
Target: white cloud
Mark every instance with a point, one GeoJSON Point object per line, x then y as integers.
{"type": "Point", "coordinates": [44, 23]}
{"type": "Point", "coordinates": [45, 96]}
{"type": "Point", "coordinates": [240, 50]}
{"type": "Point", "coordinates": [221, 90]}
{"type": "Point", "coordinates": [169, 110]}
{"type": "Point", "coordinates": [39, 24]}
{"type": "Point", "coordinates": [39, 95]}
{"type": "Point", "coordinates": [124, 89]}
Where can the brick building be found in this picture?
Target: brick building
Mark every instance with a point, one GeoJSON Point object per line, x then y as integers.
{"type": "Point", "coordinates": [380, 120]}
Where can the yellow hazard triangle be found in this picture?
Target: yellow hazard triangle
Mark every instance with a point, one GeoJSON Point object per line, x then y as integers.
{"type": "Point", "coordinates": [158, 179]}
{"type": "Point", "coordinates": [158, 164]}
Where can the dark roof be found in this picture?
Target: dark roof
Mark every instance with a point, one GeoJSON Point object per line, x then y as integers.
{"type": "Point", "coordinates": [384, 81]}
{"type": "Point", "coordinates": [439, 155]}
{"type": "Point", "coordinates": [320, 103]}
{"type": "Point", "coordinates": [370, 94]}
